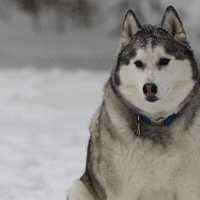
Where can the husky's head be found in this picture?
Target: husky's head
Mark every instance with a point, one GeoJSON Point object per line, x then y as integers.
{"type": "Point", "coordinates": [156, 69]}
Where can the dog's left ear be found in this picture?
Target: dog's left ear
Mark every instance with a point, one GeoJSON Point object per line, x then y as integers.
{"type": "Point", "coordinates": [171, 22]}
{"type": "Point", "coordinates": [130, 27]}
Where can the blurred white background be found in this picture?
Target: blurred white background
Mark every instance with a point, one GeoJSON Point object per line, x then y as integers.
{"type": "Point", "coordinates": [55, 56]}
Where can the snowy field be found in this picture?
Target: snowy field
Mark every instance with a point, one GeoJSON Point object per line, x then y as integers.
{"type": "Point", "coordinates": [44, 118]}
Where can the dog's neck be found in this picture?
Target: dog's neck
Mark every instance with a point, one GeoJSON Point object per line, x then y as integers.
{"type": "Point", "coordinates": [123, 117]}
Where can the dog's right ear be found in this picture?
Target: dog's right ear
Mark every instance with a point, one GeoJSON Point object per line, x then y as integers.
{"type": "Point", "coordinates": [129, 27]}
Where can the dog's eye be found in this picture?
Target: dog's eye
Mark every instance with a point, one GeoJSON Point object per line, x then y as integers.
{"type": "Point", "coordinates": [163, 61]}
{"type": "Point", "coordinates": [139, 64]}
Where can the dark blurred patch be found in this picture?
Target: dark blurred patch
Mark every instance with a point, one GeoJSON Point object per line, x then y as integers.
{"type": "Point", "coordinates": [81, 12]}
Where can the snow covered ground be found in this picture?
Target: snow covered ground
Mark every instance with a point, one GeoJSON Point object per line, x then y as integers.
{"type": "Point", "coordinates": [44, 118]}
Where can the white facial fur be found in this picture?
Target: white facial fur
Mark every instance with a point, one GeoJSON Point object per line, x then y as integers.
{"type": "Point", "coordinates": [174, 82]}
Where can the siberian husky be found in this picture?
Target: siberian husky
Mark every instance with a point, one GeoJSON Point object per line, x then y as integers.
{"type": "Point", "coordinates": [145, 137]}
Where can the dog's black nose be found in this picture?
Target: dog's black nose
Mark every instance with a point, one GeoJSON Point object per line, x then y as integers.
{"type": "Point", "coordinates": [150, 89]}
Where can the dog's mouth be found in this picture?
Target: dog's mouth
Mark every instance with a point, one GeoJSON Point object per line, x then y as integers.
{"type": "Point", "coordinates": [152, 99]}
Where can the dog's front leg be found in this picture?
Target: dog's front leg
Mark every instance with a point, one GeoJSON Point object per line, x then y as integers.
{"type": "Point", "coordinates": [78, 191]}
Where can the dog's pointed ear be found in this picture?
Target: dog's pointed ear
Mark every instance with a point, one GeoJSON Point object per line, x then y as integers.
{"type": "Point", "coordinates": [129, 27]}
{"type": "Point", "coordinates": [172, 23]}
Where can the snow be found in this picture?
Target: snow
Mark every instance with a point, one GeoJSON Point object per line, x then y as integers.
{"type": "Point", "coordinates": [44, 119]}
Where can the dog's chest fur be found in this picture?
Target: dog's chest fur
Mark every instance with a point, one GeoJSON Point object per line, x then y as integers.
{"type": "Point", "coordinates": [140, 168]}
{"type": "Point", "coordinates": [136, 168]}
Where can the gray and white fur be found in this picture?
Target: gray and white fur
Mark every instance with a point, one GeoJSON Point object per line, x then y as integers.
{"type": "Point", "coordinates": [127, 158]}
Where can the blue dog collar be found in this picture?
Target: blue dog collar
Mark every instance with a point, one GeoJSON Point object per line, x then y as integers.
{"type": "Point", "coordinates": [166, 122]}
